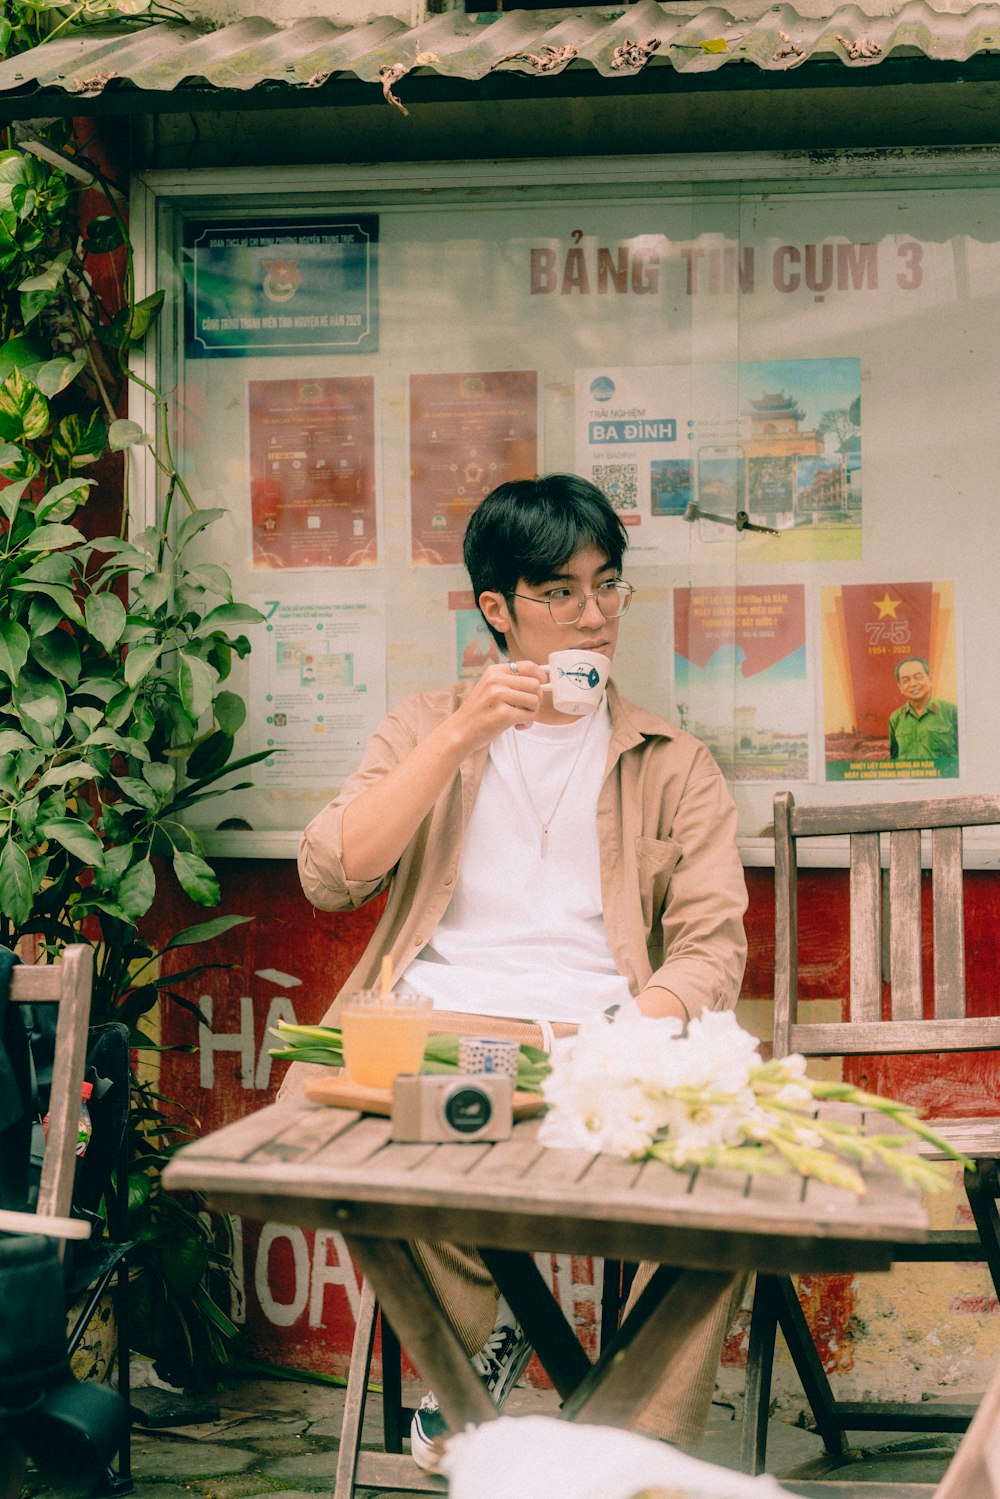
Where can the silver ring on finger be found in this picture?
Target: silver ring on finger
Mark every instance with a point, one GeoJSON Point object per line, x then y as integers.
{"type": "Point", "coordinates": [513, 667]}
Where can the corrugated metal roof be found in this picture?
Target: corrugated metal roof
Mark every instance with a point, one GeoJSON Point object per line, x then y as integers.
{"type": "Point", "coordinates": [255, 53]}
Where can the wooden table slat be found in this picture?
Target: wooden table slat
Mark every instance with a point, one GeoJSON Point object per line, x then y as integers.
{"type": "Point", "coordinates": [404, 1155]}
{"type": "Point", "coordinates": [608, 1175]}
{"type": "Point", "coordinates": [306, 1134]}
{"type": "Point", "coordinates": [660, 1183]}
{"type": "Point", "coordinates": [563, 1166]}
{"type": "Point", "coordinates": [449, 1161]}
{"type": "Point", "coordinates": [357, 1145]}
{"type": "Point", "coordinates": [240, 1139]}
{"type": "Point", "coordinates": [711, 1186]}
{"type": "Point", "coordinates": [508, 1160]}
{"type": "Point", "coordinates": [784, 1191]}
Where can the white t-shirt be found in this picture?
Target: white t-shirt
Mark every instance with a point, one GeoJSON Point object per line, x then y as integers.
{"type": "Point", "coordinates": [524, 934]}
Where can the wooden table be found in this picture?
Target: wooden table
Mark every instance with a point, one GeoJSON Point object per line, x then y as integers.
{"type": "Point", "coordinates": [303, 1163]}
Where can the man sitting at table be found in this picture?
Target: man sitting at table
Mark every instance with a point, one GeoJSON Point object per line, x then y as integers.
{"type": "Point", "coordinates": [541, 868]}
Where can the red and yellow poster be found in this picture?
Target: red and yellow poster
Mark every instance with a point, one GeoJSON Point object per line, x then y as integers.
{"type": "Point", "coordinates": [468, 433]}
{"type": "Point", "coordinates": [890, 681]}
{"type": "Point", "coordinates": [312, 472]}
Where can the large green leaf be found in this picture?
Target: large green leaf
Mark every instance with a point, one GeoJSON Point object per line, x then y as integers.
{"type": "Point", "coordinates": [195, 522]}
{"type": "Point", "coordinates": [137, 890]}
{"type": "Point", "coordinates": [40, 701]}
{"type": "Point", "coordinates": [125, 434]}
{"type": "Point", "coordinates": [230, 712]}
{"type": "Point", "coordinates": [205, 931]}
{"type": "Point", "coordinates": [80, 439]}
{"type": "Point", "coordinates": [15, 884]}
{"type": "Point", "coordinates": [24, 411]}
{"type": "Point", "coordinates": [55, 374]}
{"type": "Point", "coordinates": [229, 614]}
{"type": "Point", "coordinates": [38, 291]}
{"type": "Point", "coordinates": [70, 770]}
{"type": "Point", "coordinates": [60, 502]}
{"type": "Point", "coordinates": [144, 314]}
{"type": "Point", "coordinates": [162, 778]}
{"type": "Point", "coordinates": [76, 837]}
{"type": "Point", "coordinates": [50, 277]}
{"type": "Point", "coordinates": [104, 234]}
{"type": "Point", "coordinates": [52, 538]}
{"type": "Point", "coordinates": [153, 591]}
{"type": "Point", "coordinates": [26, 352]}
{"type": "Point", "coordinates": [54, 568]}
{"type": "Point", "coordinates": [60, 594]}
{"type": "Point", "coordinates": [13, 648]}
{"type": "Point", "coordinates": [59, 655]}
{"type": "Point", "coordinates": [19, 464]}
{"type": "Point", "coordinates": [12, 739]}
{"type": "Point", "coordinates": [140, 660]}
{"type": "Point", "coordinates": [196, 683]}
{"type": "Point", "coordinates": [197, 879]}
{"type": "Point", "coordinates": [105, 616]}
{"type": "Point", "coordinates": [210, 755]}
{"type": "Point", "coordinates": [138, 792]}
{"type": "Point", "coordinates": [11, 494]}
{"type": "Point", "coordinates": [213, 577]}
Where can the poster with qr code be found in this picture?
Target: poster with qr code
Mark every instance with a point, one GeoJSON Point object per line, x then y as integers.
{"type": "Point", "coordinates": [766, 451]}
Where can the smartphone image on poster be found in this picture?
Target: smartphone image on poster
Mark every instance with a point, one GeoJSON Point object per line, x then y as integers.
{"type": "Point", "coordinates": [721, 490]}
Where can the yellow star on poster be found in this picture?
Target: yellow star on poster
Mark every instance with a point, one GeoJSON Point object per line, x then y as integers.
{"type": "Point", "coordinates": [886, 606]}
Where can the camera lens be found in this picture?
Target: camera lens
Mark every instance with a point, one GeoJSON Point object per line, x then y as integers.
{"type": "Point", "coordinates": [467, 1110]}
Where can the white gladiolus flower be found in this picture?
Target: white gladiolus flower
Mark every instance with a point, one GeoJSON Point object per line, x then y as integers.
{"type": "Point", "coordinates": [701, 1098]}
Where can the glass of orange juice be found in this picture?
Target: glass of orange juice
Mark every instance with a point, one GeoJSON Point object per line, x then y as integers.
{"type": "Point", "coordinates": [383, 1034]}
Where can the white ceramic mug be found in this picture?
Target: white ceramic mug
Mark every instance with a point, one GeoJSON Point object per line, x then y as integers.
{"type": "Point", "coordinates": [577, 680]}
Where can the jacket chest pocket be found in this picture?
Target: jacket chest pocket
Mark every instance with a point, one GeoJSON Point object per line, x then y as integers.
{"type": "Point", "coordinates": [656, 860]}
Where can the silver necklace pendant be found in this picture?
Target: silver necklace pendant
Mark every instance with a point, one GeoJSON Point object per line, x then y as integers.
{"type": "Point", "coordinates": [527, 793]}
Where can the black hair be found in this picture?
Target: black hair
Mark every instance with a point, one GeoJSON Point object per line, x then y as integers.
{"type": "Point", "coordinates": [901, 663]}
{"type": "Point", "coordinates": [530, 528]}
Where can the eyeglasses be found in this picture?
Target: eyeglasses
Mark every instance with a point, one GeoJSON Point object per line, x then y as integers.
{"type": "Point", "coordinates": [566, 605]}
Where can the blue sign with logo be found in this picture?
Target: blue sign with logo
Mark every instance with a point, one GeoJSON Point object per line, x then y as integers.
{"type": "Point", "coordinates": [281, 287]}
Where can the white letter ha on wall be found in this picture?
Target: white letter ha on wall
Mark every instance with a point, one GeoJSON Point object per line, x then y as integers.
{"type": "Point", "coordinates": [241, 1041]}
{"type": "Point", "coordinates": [254, 1071]}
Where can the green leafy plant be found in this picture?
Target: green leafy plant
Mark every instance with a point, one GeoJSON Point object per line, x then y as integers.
{"type": "Point", "coordinates": [115, 651]}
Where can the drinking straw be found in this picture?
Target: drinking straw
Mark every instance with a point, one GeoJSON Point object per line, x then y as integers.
{"type": "Point", "coordinates": [386, 974]}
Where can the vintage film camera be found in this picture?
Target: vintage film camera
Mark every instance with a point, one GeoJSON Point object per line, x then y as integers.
{"type": "Point", "coordinates": [462, 1106]}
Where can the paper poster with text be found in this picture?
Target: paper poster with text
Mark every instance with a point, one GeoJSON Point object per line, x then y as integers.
{"type": "Point", "coordinates": [740, 677]}
{"type": "Point", "coordinates": [468, 433]}
{"type": "Point", "coordinates": [281, 286]}
{"type": "Point", "coordinates": [318, 689]}
{"type": "Point", "coordinates": [695, 452]}
{"type": "Point", "coordinates": [475, 648]}
{"type": "Point", "coordinates": [312, 472]}
{"type": "Point", "coordinates": [890, 679]}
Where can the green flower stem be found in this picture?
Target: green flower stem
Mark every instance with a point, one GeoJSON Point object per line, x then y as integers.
{"type": "Point", "coordinates": [322, 1044]}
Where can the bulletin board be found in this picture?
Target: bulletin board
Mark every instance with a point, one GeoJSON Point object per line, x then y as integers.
{"type": "Point", "coordinates": [786, 388]}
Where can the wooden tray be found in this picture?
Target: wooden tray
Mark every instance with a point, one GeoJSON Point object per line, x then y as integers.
{"type": "Point", "coordinates": [341, 1093]}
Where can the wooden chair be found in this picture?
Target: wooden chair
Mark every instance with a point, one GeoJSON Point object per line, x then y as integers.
{"type": "Point", "coordinates": [885, 916]}
{"type": "Point", "coordinates": [68, 985]}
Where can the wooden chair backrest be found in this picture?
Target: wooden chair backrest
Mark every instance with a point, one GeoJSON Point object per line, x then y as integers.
{"type": "Point", "coordinates": [865, 1032]}
{"type": "Point", "coordinates": [67, 984]}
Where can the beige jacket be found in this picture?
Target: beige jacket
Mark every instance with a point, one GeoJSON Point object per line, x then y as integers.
{"type": "Point", "coordinates": [671, 877]}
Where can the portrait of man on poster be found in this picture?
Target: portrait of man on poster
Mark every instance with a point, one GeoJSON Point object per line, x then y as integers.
{"type": "Point", "coordinates": [925, 727]}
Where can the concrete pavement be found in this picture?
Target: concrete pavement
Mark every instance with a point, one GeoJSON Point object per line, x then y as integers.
{"type": "Point", "coordinates": [278, 1437]}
